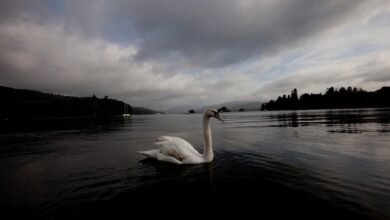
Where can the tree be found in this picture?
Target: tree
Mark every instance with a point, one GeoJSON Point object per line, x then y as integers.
{"type": "Point", "coordinates": [223, 109]}
{"type": "Point", "coordinates": [192, 111]}
{"type": "Point", "coordinates": [330, 91]}
{"type": "Point", "coordinates": [241, 110]}
{"type": "Point", "coordinates": [294, 94]}
{"type": "Point", "coordinates": [263, 107]}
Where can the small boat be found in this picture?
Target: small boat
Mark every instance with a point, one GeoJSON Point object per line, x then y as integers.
{"type": "Point", "coordinates": [126, 110]}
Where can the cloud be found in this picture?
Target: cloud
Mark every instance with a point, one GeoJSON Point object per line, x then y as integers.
{"type": "Point", "coordinates": [369, 71]}
{"type": "Point", "coordinates": [48, 58]}
{"type": "Point", "coordinates": [20, 8]}
{"type": "Point", "coordinates": [161, 54]}
{"type": "Point", "coordinates": [316, 80]}
{"type": "Point", "coordinates": [230, 31]}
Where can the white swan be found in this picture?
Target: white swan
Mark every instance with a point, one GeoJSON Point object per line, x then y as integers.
{"type": "Point", "coordinates": [178, 151]}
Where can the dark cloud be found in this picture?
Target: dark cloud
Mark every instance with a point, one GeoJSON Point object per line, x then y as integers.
{"type": "Point", "coordinates": [32, 10]}
{"type": "Point", "coordinates": [220, 32]}
{"type": "Point", "coordinates": [11, 9]}
{"type": "Point", "coordinates": [205, 33]}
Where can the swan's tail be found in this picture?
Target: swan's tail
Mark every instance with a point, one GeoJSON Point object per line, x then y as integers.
{"type": "Point", "coordinates": [150, 153]}
{"type": "Point", "coordinates": [156, 154]}
{"type": "Point", "coordinates": [163, 138]}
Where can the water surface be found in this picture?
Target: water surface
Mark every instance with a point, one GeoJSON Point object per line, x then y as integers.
{"type": "Point", "coordinates": [312, 164]}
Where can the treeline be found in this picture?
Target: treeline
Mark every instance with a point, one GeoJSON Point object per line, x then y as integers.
{"type": "Point", "coordinates": [23, 104]}
{"type": "Point", "coordinates": [333, 98]}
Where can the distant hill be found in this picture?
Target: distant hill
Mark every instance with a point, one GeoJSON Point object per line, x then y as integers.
{"type": "Point", "coordinates": [145, 111]}
{"type": "Point", "coordinates": [246, 105]}
{"type": "Point", "coordinates": [29, 104]}
{"type": "Point", "coordinates": [179, 109]}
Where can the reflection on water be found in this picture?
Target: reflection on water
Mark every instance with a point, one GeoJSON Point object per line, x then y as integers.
{"type": "Point", "coordinates": [310, 164]}
{"type": "Point", "coordinates": [333, 118]}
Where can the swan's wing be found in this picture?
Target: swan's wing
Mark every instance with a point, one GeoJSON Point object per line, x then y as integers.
{"type": "Point", "coordinates": [153, 153]}
{"type": "Point", "coordinates": [176, 147]}
{"type": "Point", "coordinates": [173, 150]}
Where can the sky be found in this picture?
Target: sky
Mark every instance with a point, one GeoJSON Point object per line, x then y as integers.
{"type": "Point", "coordinates": [166, 53]}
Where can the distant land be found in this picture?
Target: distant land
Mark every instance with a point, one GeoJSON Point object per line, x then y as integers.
{"type": "Point", "coordinates": [333, 98]}
{"type": "Point", "coordinates": [234, 106]}
{"type": "Point", "coordinates": [145, 111]}
{"type": "Point", "coordinates": [30, 104]}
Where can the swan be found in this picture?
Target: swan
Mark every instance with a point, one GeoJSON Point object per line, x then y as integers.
{"type": "Point", "coordinates": [178, 151]}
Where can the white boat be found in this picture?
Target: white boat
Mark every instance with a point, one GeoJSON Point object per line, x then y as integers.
{"type": "Point", "coordinates": [126, 110]}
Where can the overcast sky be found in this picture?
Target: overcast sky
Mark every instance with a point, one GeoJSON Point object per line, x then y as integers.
{"type": "Point", "coordinates": [166, 53]}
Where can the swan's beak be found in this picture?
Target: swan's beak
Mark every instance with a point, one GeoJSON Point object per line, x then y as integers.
{"type": "Point", "coordinates": [219, 118]}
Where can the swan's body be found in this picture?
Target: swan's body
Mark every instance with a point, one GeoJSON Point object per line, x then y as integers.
{"type": "Point", "coordinates": [179, 151]}
{"type": "Point", "coordinates": [174, 150]}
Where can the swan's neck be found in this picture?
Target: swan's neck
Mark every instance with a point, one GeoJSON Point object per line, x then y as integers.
{"type": "Point", "coordinates": [208, 144]}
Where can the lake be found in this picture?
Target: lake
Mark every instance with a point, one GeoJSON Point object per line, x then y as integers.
{"type": "Point", "coordinates": [309, 164]}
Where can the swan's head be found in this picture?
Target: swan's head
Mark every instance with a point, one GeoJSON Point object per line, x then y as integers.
{"type": "Point", "coordinates": [212, 113]}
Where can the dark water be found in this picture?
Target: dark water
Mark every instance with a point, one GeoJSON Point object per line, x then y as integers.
{"type": "Point", "coordinates": [308, 164]}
